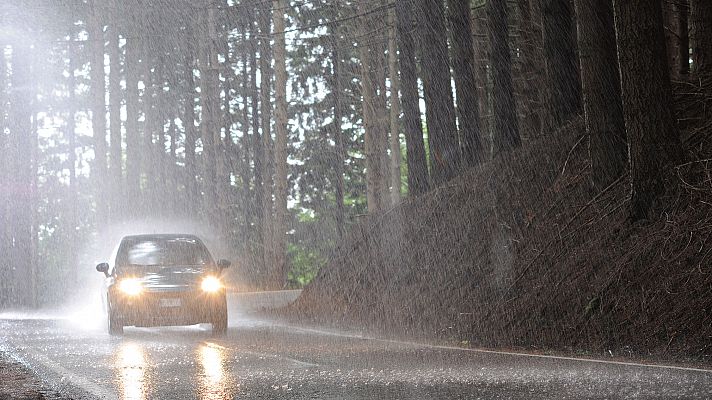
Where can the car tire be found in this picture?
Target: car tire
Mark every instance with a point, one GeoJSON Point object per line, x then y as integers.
{"type": "Point", "coordinates": [116, 327]}
{"type": "Point", "coordinates": [219, 319]}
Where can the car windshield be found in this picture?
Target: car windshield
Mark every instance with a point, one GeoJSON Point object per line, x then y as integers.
{"type": "Point", "coordinates": [164, 252]}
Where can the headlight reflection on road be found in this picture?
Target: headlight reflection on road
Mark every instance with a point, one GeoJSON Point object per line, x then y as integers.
{"type": "Point", "coordinates": [213, 378]}
{"type": "Point", "coordinates": [131, 363]}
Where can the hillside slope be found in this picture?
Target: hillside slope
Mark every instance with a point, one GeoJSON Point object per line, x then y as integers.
{"type": "Point", "coordinates": [523, 253]}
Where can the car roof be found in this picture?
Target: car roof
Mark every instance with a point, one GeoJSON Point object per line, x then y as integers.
{"type": "Point", "coordinates": [161, 236]}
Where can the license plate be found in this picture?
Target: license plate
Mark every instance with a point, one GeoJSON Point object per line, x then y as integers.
{"type": "Point", "coordinates": [169, 302]}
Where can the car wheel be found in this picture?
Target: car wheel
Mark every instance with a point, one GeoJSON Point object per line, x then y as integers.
{"type": "Point", "coordinates": [219, 319]}
{"type": "Point", "coordinates": [116, 328]}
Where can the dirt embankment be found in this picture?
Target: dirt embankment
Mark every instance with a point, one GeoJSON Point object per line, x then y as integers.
{"type": "Point", "coordinates": [524, 253]}
{"type": "Point", "coordinates": [19, 383]}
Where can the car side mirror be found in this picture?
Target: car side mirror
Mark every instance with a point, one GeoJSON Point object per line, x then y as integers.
{"type": "Point", "coordinates": [103, 268]}
{"type": "Point", "coordinates": [222, 264]}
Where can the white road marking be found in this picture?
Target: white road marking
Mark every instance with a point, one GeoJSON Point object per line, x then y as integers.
{"type": "Point", "coordinates": [263, 355]}
{"type": "Point", "coordinates": [497, 352]}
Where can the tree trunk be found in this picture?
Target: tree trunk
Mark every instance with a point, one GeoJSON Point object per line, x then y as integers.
{"type": "Point", "coordinates": [374, 168]}
{"type": "Point", "coordinates": [483, 57]}
{"type": "Point", "coordinates": [653, 140]}
{"type": "Point", "coordinates": [224, 145]}
{"type": "Point", "coordinates": [340, 217]}
{"type": "Point", "coordinates": [683, 32]}
{"type": "Point", "coordinates": [148, 152]}
{"type": "Point", "coordinates": [20, 141]}
{"type": "Point", "coordinates": [258, 144]}
{"type": "Point", "coordinates": [247, 145]}
{"type": "Point", "coordinates": [505, 126]}
{"type": "Point", "coordinates": [98, 107]}
{"type": "Point", "coordinates": [190, 131]}
{"type": "Point", "coordinates": [560, 57]}
{"type": "Point", "coordinates": [5, 278]}
{"type": "Point", "coordinates": [382, 120]}
{"type": "Point", "coordinates": [115, 124]}
{"type": "Point", "coordinates": [158, 122]}
{"type": "Point", "coordinates": [601, 90]}
{"type": "Point", "coordinates": [418, 176]}
{"type": "Point", "coordinates": [440, 110]}
{"type": "Point", "coordinates": [33, 203]}
{"type": "Point", "coordinates": [209, 119]}
{"type": "Point", "coordinates": [72, 224]}
{"type": "Point", "coordinates": [395, 110]}
{"type": "Point", "coordinates": [173, 180]}
{"type": "Point", "coordinates": [280, 148]}
{"type": "Point", "coordinates": [133, 168]}
{"type": "Point", "coordinates": [266, 114]}
{"type": "Point", "coordinates": [530, 53]}
{"type": "Point", "coordinates": [701, 21]}
{"type": "Point", "coordinates": [464, 64]}
{"type": "Point", "coordinates": [675, 14]}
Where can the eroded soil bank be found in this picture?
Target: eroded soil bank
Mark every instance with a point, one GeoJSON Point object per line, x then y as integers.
{"type": "Point", "coordinates": [524, 253]}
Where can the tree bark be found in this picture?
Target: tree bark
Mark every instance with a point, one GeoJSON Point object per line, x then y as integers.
{"type": "Point", "coordinates": [374, 195]}
{"type": "Point", "coordinates": [115, 124]}
{"type": "Point", "coordinates": [190, 132]}
{"type": "Point", "coordinates": [530, 53]}
{"type": "Point", "coordinates": [247, 144]}
{"type": "Point", "coordinates": [560, 57]}
{"type": "Point", "coordinates": [395, 158]}
{"type": "Point", "coordinates": [224, 145]}
{"type": "Point", "coordinates": [5, 279]}
{"type": "Point", "coordinates": [505, 125]}
{"type": "Point", "coordinates": [683, 32]}
{"type": "Point", "coordinates": [98, 107]}
{"type": "Point", "coordinates": [72, 224]}
{"type": "Point", "coordinates": [382, 121]}
{"type": "Point", "coordinates": [209, 119]}
{"type": "Point", "coordinates": [133, 168]}
{"type": "Point", "coordinates": [483, 55]}
{"type": "Point", "coordinates": [600, 83]}
{"type": "Point", "coordinates": [281, 269]}
{"type": "Point", "coordinates": [464, 64]}
{"type": "Point", "coordinates": [677, 40]}
{"type": "Point", "coordinates": [340, 217]}
{"type": "Point", "coordinates": [701, 21]}
{"type": "Point", "coordinates": [265, 17]}
{"type": "Point", "coordinates": [440, 110]}
{"type": "Point", "coordinates": [149, 163]}
{"type": "Point", "coordinates": [20, 142]}
{"type": "Point", "coordinates": [418, 175]}
{"type": "Point", "coordinates": [258, 145]}
{"type": "Point", "coordinates": [653, 140]}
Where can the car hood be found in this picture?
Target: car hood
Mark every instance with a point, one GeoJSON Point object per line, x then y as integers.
{"type": "Point", "coordinates": [161, 278]}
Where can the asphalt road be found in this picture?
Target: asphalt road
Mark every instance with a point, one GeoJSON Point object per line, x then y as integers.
{"type": "Point", "coordinates": [259, 359]}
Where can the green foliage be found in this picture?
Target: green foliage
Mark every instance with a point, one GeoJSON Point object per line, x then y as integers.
{"type": "Point", "coordinates": [305, 265]}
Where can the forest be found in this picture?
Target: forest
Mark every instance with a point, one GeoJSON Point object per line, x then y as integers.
{"type": "Point", "coordinates": [386, 148]}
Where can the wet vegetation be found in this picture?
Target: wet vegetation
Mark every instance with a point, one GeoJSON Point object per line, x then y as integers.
{"type": "Point", "coordinates": [527, 173]}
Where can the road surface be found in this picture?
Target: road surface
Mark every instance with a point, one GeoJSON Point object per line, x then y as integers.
{"type": "Point", "coordinates": [259, 359]}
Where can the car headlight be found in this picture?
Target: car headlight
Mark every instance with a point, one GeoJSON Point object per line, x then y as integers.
{"type": "Point", "coordinates": [131, 286]}
{"type": "Point", "coordinates": [211, 284]}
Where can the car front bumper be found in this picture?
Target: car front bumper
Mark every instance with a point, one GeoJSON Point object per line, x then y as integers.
{"type": "Point", "coordinates": [164, 308]}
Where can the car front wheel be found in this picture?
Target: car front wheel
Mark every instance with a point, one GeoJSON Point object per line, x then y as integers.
{"type": "Point", "coordinates": [219, 319]}
{"type": "Point", "coordinates": [116, 327]}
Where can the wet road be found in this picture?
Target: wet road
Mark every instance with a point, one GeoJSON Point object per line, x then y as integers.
{"type": "Point", "coordinates": [265, 360]}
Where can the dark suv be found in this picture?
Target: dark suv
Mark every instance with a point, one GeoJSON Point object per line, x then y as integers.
{"type": "Point", "coordinates": [158, 280]}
